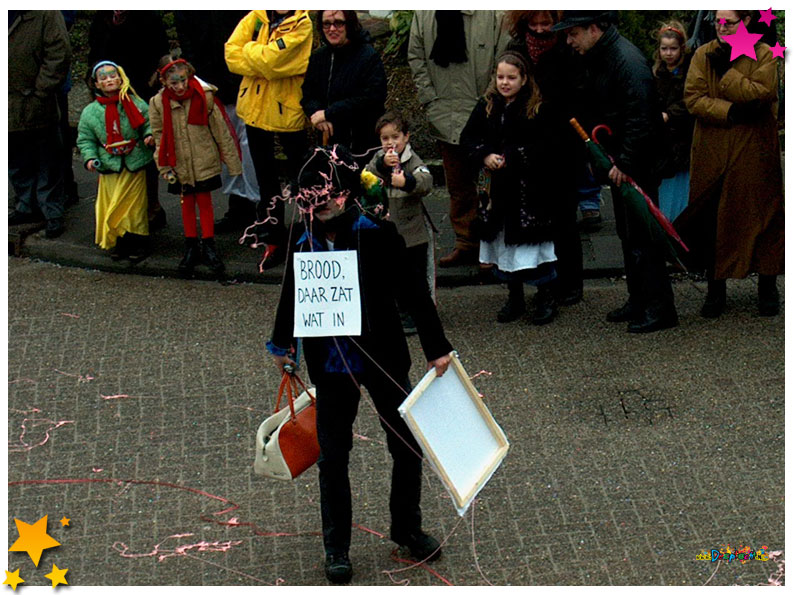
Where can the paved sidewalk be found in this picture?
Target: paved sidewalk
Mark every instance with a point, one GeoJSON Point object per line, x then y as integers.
{"type": "Point", "coordinates": [137, 398]}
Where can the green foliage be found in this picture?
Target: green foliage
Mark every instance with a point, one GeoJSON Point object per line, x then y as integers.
{"type": "Point", "coordinates": [400, 24]}
{"type": "Point", "coordinates": [640, 26]}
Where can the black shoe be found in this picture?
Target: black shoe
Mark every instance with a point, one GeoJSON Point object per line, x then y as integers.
{"type": "Point", "coordinates": [338, 568]}
{"type": "Point", "coordinates": [626, 313]}
{"type": "Point", "coordinates": [769, 303]}
{"type": "Point", "coordinates": [158, 222]}
{"type": "Point", "coordinates": [513, 309]}
{"type": "Point", "coordinates": [119, 251]}
{"type": "Point", "coordinates": [274, 256]}
{"type": "Point", "coordinates": [192, 256]}
{"type": "Point", "coordinates": [545, 308]}
{"type": "Point", "coordinates": [651, 321]}
{"type": "Point", "coordinates": [18, 218]}
{"type": "Point", "coordinates": [713, 307]}
{"type": "Point", "coordinates": [209, 255]}
{"type": "Point", "coordinates": [138, 250]}
{"type": "Point", "coordinates": [422, 546]}
{"type": "Point", "coordinates": [54, 229]}
{"type": "Point", "coordinates": [570, 297]}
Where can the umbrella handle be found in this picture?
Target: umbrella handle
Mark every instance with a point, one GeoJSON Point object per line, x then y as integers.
{"type": "Point", "coordinates": [596, 129]}
{"type": "Point", "coordinates": [579, 130]}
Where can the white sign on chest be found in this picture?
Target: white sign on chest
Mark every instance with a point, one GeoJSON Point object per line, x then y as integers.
{"type": "Point", "coordinates": [327, 294]}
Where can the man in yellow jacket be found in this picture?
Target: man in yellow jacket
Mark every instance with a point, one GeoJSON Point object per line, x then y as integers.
{"type": "Point", "coordinates": [270, 49]}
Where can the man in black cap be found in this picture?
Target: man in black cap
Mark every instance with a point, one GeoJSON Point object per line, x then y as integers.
{"type": "Point", "coordinates": [620, 91]}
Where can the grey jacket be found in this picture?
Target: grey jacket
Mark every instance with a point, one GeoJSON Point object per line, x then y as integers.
{"type": "Point", "coordinates": [450, 94]}
{"type": "Point", "coordinates": [406, 209]}
{"type": "Point", "coordinates": [39, 56]}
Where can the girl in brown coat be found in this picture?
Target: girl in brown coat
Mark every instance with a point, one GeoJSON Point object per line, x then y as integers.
{"type": "Point", "coordinates": [193, 138]}
{"type": "Point", "coordinates": [735, 220]}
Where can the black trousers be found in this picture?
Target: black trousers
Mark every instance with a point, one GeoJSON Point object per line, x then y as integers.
{"type": "Point", "coordinates": [337, 405]}
{"type": "Point", "coordinates": [646, 272]}
{"type": "Point", "coordinates": [567, 243]}
{"type": "Point", "coordinates": [262, 144]}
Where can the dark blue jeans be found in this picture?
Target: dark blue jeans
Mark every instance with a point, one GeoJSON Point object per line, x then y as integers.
{"type": "Point", "coordinates": [337, 405]}
{"type": "Point", "coordinates": [35, 168]}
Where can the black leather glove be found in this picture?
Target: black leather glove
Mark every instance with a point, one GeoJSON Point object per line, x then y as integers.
{"type": "Point", "coordinates": [746, 113]}
{"type": "Point", "coordinates": [720, 59]}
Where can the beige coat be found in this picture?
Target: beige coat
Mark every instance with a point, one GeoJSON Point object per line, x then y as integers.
{"type": "Point", "coordinates": [199, 149]}
{"type": "Point", "coordinates": [736, 164]}
{"type": "Point", "coordinates": [450, 94]}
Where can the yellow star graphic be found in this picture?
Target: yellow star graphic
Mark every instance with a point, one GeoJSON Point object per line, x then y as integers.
{"type": "Point", "coordinates": [57, 576]}
{"type": "Point", "coordinates": [65, 522]}
{"type": "Point", "coordinates": [13, 579]}
{"type": "Point", "coordinates": [33, 539]}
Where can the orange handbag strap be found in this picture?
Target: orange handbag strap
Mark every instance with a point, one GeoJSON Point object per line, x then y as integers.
{"type": "Point", "coordinates": [290, 382]}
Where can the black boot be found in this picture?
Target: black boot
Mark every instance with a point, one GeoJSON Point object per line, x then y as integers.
{"type": "Point", "coordinates": [515, 306]}
{"type": "Point", "coordinates": [768, 295]}
{"type": "Point", "coordinates": [545, 305]}
{"type": "Point", "coordinates": [192, 256]}
{"type": "Point", "coordinates": [138, 248]}
{"type": "Point", "coordinates": [210, 256]}
{"type": "Point", "coordinates": [714, 305]}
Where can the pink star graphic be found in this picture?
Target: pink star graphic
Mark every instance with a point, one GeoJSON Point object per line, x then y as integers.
{"type": "Point", "coordinates": [742, 42]}
{"type": "Point", "coordinates": [777, 51]}
{"type": "Point", "coordinates": [767, 17]}
{"type": "Point", "coordinates": [723, 21]}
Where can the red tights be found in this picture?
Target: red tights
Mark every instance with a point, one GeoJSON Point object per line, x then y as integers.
{"type": "Point", "coordinates": [188, 202]}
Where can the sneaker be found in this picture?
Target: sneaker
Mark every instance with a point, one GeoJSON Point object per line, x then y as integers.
{"type": "Point", "coordinates": [54, 229]}
{"type": "Point", "coordinates": [591, 220]}
{"type": "Point", "coordinates": [422, 546]}
{"type": "Point", "coordinates": [338, 568]}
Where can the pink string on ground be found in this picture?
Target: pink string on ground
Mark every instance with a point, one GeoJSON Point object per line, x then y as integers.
{"type": "Point", "coordinates": [481, 373]}
{"type": "Point", "coordinates": [368, 530]}
{"type": "Point", "coordinates": [777, 578]}
{"type": "Point", "coordinates": [26, 446]}
{"type": "Point", "coordinates": [366, 439]}
{"type": "Point", "coordinates": [110, 397]}
{"type": "Point", "coordinates": [474, 547]}
{"type": "Point", "coordinates": [30, 380]}
{"type": "Point", "coordinates": [80, 377]}
{"type": "Point", "coordinates": [70, 315]}
{"type": "Point", "coordinates": [180, 550]}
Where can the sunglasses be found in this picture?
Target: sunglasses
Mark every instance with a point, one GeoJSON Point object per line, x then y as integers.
{"type": "Point", "coordinates": [337, 24]}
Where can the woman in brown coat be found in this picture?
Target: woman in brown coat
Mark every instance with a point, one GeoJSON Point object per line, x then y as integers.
{"type": "Point", "coordinates": [734, 222]}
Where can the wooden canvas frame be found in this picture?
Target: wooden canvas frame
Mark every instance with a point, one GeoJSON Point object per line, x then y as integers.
{"type": "Point", "coordinates": [456, 431]}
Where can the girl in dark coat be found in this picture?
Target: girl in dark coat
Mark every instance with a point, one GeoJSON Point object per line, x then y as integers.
{"type": "Point", "coordinates": [669, 71]}
{"type": "Point", "coordinates": [510, 135]}
{"type": "Point", "coordinates": [345, 86]}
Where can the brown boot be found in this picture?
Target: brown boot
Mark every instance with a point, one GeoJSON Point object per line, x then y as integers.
{"type": "Point", "coordinates": [458, 257]}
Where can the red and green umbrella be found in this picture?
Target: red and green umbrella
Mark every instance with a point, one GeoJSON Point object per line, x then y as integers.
{"type": "Point", "coordinates": [645, 215]}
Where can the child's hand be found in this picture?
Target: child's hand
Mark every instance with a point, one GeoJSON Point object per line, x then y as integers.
{"type": "Point", "coordinates": [391, 158]}
{"type": "Point", "coordinates": [665, 117]}
{"type": "Point", "coordinates": [494, 161]}
{"type": "Point", "coordinates": [149, 141]}
{"type": "Point", "coordinates": [318, 117]}
{"type": "Point", "coordinates": [398, 179]}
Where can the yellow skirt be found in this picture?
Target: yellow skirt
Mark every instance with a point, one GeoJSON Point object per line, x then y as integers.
{"type": "Point", "coordinates": [121, 207]}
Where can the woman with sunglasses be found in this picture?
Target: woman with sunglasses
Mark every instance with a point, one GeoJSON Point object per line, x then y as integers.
{"type": "Point", "coordinates": [734, 221]}
{"type": "Point", "coordinates": [345, 86]}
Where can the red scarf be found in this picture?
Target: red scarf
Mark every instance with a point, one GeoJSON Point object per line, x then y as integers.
{"type": "Point", "coordinates": [112, 123]}
{"type": "Point", "coordinates": [537, 46]}
{"type": "Point", "coordinates": [197, 115]}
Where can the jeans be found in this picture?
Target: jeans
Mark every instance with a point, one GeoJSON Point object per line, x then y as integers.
{"type": "Point", "coordinates": [589, 192]}
{"type": "Point", "coordinates": [337, 405]}
{"type": "Point", "coordinates": [35, 167]}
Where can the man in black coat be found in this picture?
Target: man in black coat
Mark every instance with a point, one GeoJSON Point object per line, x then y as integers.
{"type": "Point", "coordinates": [378, 358]}
{"type": "Point", "coordinates": [619, 87]}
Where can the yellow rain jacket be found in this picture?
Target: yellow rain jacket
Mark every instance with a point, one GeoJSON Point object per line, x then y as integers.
{"type": "Point", "coordinates": [273, 64]}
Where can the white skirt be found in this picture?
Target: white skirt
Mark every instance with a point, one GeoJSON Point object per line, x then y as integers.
{"type": "Point", "coordinates": [510, 259]}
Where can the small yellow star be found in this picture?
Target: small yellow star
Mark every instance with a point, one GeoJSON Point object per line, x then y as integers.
{"type": "Point", "coordinates": [65, 522]}
{"type": "Point", "coordinates": [33, 539]}
{"type": "Point", "coordinates": [13, 579]}
{"type": "Point", "coordinates": [57, 576]}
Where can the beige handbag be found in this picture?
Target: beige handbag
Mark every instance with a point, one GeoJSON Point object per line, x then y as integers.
{"type": "Point", "coordinates": [286, 442]}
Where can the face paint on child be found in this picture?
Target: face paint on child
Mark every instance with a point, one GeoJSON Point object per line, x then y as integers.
{"type": "Point", "coordinates": [108, 80]}
{"type": "Point", "coordinates": [177, 81]}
